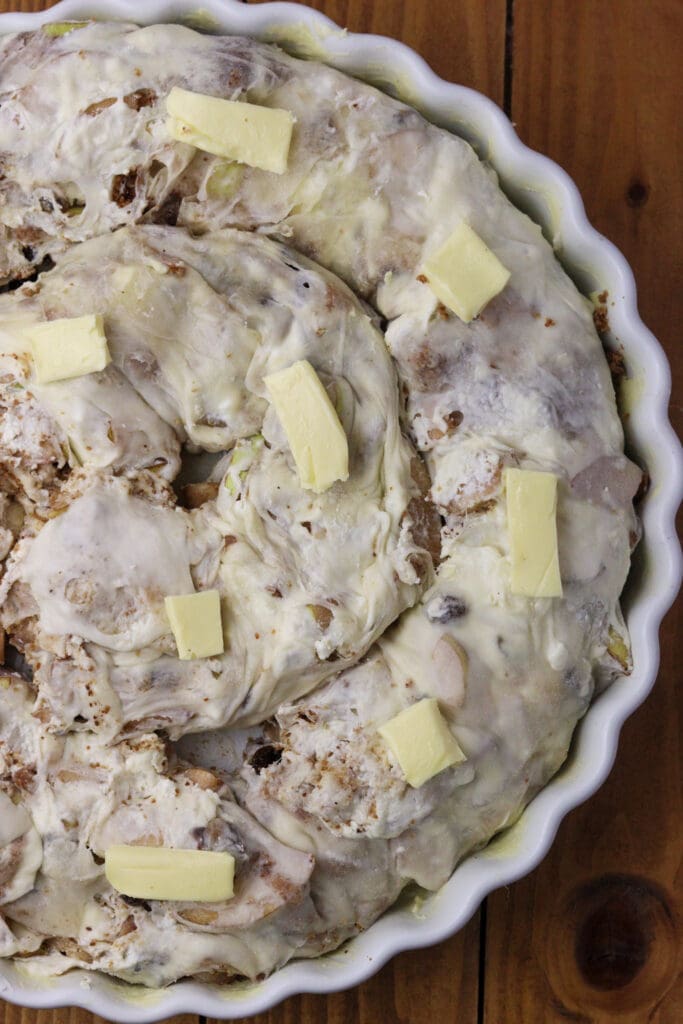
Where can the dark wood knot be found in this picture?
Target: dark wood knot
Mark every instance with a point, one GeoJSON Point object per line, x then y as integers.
{"type": "Point", "coordinates": [613, 945]}
{"type": "Point", "coordinates": [637, 194]}
{"type": "Point", "coordinates": [613, 939]}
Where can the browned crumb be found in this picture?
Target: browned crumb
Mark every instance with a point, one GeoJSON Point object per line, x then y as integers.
{"type": "Point", "coordinates": [124, 187]}
{"type": "Point", "coordinates": [617, 366]}
{"type": "Point", "coordinates": [140, 98]}
{"type": "Point", "coordinates": [601, 319]}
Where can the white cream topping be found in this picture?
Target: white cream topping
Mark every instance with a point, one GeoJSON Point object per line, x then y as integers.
{"type": "Point", "coordinates": [523, 385]}
{"type": "Point", "coordinates": [304, 578]}
{"type": "Point", "coordinates": [21, 851]}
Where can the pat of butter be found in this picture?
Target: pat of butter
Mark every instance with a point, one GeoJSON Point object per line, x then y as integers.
{"type": "Point", "coordinates": [464, 274]}
{"type": "Point", "coordinates": [316, 437]}
{"type": "Point", "coordinates": [421, 741]}
{"type": "Point", "coordinates": [531, 514]}
{"type": "Point", "coordinates": [160, 873]}
{"type": "Point", "coordinates": [68, 348]}
{"type": "Point", "coordinates": [62, 28]}
{"type": "Point", "coordinates": [196, 623]}
{"type": "Point", "coordinates": [251, 134]}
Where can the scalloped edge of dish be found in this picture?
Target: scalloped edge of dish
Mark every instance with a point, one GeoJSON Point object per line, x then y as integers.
{"type": "Point", "coordinates": [549, 196]}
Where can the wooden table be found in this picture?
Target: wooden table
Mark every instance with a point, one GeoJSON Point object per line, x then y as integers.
{"type": "Point", "coordinates": [595, 934]}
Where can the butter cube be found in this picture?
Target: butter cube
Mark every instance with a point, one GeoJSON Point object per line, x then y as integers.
{"type": "Point", "coordinates": [315, 435]}
{"type": "Point", "coordinates": [251, 134]}
{"type": "Point", "coordinates": [62, 28]}
{"type": "Point", "coordinates": [196, 623]}
{"type": "Point", "coordinates": [160, 873]}
{"type": "Point", "coordinates": [421, 741]}
{"type": "Point", "coordinates": [68, 348]}
{"type": "Point", "coordinates": [464, 274]}
{"type": "Point", "coordinates": [531, 514]}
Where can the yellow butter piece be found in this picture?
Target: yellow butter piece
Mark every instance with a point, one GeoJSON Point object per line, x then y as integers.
{"type": "Point", "coordinates": [160, 873]}
{"type": "Point", "coordinates": [251, 134]}
{"type": "Point", "coordinates": [68, 348]}
{"type": "Point", "coordinates": [421, 742]}
{"type": "Point", "coordinates": [315, 435]}
{"type": "Point", "coordinates": [196, 623]}
{"type": "Point", "coordinates": [62, 28]}
{"type": "Point", "coordinates": [531, 515]}
{"type": "Point", "coordinates": [464, 274]}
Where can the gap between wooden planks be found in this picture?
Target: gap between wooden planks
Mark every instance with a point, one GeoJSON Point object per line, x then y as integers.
{"type": "Point", "coordinates": [592, 84]}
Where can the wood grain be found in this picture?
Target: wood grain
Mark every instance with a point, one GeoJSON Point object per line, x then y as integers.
{"type": "Point", "coordinates": [27, 5]}
{"type": "Point", "coordinates": [463, 41]}
{"type": "Point", "coordinates": [66, 1015]}
{"type": "Point", "coordinates": [415, 988]}
{"type": "Point", "coordinates": [603, 98]}
{"type": "Point", "coordinates": [594, 935]}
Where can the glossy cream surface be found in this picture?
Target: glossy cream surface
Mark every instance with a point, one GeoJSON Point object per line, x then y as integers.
{"type": "Point", "coordinates": [340, 609]}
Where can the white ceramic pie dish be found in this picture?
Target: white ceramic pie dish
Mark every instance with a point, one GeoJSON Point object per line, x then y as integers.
{"type": "Point", "coordinates": [543, 190]}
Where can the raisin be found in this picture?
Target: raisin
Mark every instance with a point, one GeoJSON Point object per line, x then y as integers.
{"type": "Point", "coordinates": [453, 421]}
{"type": "Point", "coordinates": [445, 609]}
{"type": "Point", "coordinates": [264, 757]}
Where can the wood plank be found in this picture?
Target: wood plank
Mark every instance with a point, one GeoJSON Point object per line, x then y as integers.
{"type": "Point", "coordinates": [592, 934]}
{"type": "Point", "coordinates": [419, 988]}
{"type": "Point", "coordinates": [463, 41]}
{"type": "Point", "coordinates": [601, 99]}
{"type": "Point", "coordinates": [66, 1015]}
{"type": "Point", "coordinates": [26, 5]}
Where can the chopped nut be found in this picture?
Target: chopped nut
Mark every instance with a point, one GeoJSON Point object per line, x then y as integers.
{"type": "Point", "coordinates": [426, 526]}
{"type": "Point", "coordinates": [199, 915]}
{"type": "Point", "coordinates": [127, 927]}
{"type": "Point", "coordinates": [71, 948]}
{"type": "Point", "coordinates": [124, 187]}
{"type": "Point", "coordinates": [140, 98]}
{"type": "Point", "coordinates": [202, 778]}
{"type": "Point", "coordinates": [96, 108]}
{"type": "Point", "coordinates": [322, 615]}
{"type": "Point", "coordinates": [196, 495]}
